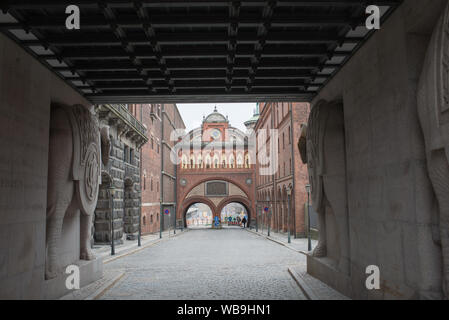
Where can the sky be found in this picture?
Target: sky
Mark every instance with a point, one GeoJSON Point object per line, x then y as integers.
{"type": "Point", "coordinates": [238, 113]}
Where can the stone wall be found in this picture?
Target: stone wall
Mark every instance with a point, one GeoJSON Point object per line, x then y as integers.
{"type": "Point", "coordinates": [124, 171]}
{"type": "Point", "coordinates": [391, 203]}
{"type": "Point", "coordinates": [27, 89]}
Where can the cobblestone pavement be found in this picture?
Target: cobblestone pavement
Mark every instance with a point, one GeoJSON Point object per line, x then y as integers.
{"type": "Point", "coordinates": [209, 264]}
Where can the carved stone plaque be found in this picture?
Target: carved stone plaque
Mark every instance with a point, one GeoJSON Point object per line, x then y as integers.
{"type": "Point", "coordinates": [216, 188]}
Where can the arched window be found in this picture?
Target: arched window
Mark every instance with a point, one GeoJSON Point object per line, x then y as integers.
{"type": "Point", "coordinates": [200, 161]}
{"type": "Point", "coordinates": [239, 161]}
{"type": "Point", "coordinates": [184, 161]}
{"type": "Point", "coordinates": [216, 161]}
{"type": "Point", "coordinates": [247, 161]}
{"type": "Point", "coordinates": [231, 161]}
{"type": "Point", "coordinates": [208, 161]}
{"type": "Point", "coordinates": [144, 222]}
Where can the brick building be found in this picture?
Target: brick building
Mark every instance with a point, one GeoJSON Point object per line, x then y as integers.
{"type": "Point", "coordinates": [272, 189]}
{"type": "Point", "coordinates": [158, 172]}
{"type": "Point", "coordinates": [215, 167]}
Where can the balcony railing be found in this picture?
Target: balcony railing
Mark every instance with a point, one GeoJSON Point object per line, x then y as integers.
{"type": "Point", "coordinates": [121, 110]}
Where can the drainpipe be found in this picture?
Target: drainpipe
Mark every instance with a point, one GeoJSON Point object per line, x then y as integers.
{"type": "Point", "coordinates": [140, 184]}
{"type": "Point", "coordinates": [161, 193]}
{"type": "Point", "coordinates": [292, 169]}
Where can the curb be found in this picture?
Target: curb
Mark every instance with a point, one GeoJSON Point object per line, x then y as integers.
{"type": "Point", "coordinates": [100, 292]}
{"type": "Point", "coordinates": [305, 288]}
{"type": "Point", "coordinates": [278, 242]}
{"type": "Point", "coordinates": [132, 251]}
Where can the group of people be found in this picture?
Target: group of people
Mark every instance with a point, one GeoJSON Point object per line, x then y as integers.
{"type": "Point", "coordinates": [239, 220]}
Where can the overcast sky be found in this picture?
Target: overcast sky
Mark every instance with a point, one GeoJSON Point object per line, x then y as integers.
{"type": "Point", "coordinates": [238, 113]}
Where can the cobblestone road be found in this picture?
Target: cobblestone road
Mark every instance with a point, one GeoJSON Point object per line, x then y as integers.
{"type": "Point", "coordinates": [208, 264]}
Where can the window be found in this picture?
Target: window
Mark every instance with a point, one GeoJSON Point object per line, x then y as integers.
{"type": "Point", "coordinates": [289, 136]}
{"type": "Point", "coordinates": [151, 218]}
{"type": "Point", "coordinates": [152, 143]}
{"type": "Point", "coordinates": [131, 156]}
{"type": "Point", "coordinates": [157, 186]}
{"type": "Point", "coordinates": [283, 140]}
{"type": "Point", "coordinates": [151, 184]}
{"type": "Point", "coordinates": [144, 220]}
{"type": "Point", "coordinates": [144, 182]}
{"type": "Point", "coordinates": [125, 153]}
{"type": "Point", "coordinates": [158, 147]}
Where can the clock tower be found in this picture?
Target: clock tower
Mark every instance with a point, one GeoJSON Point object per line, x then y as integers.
{"type": "Point", "coordinates": [214, 127]}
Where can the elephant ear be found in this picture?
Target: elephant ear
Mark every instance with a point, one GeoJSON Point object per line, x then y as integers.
{"type": "Point", "coordinates": [105, 145]}
{"type": "Point", "coordinates": [302, 143]}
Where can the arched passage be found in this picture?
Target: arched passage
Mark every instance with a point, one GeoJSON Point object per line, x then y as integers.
{"type": "Point", "coordinates": [194, 200]}
{"type": "Point", "coordinates": [198, 216]}
{"type": "Point", "coordinates": [244, 202]}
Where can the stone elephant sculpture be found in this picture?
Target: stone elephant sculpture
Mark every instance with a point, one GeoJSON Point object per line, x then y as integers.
{"type": "Point", "coordinates": [322, 148]}
{"type": "Point", "coordinates": [74, 176]}
{"type": "Point", "coordinates": [433, 112]}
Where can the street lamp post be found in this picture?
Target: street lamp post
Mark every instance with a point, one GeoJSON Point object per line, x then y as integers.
{"type": "Point", "coordinates": [309, 241]}
{"type": "Point", "coordinates": [257, 218]}
{"type": "Point", "coordinates": [268, 216]}
{"type": "Point", "coordinates": [140, 221]}
{"type": "Point", "coordinates": [289, 193]}
{"type": "Point", "coordinates": [111, 192]}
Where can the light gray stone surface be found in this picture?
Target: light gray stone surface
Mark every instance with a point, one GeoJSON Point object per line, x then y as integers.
{"type": "Point", "coordinates": [27, 89]}
{"type": "Point", "coordinates": [209, 264]}
{"type": "Point", "coordinates": [391, 204]}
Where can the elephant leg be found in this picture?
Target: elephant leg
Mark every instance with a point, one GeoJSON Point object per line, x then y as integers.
{"type": "Point", "coordinates": [60, 186]}
{"type": "Point", "coordinates": [54, 228]}
{"type": "Point", "coordinates": [439, 174]}
{"type": "Point", "coordinates": [85, 237]}
{"type": "Point", "coordinates": [320, 250]}
{"type": "Point", "coordinates": [338, 203]}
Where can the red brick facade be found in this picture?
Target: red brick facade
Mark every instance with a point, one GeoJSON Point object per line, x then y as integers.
{"type": "Point", "coordinates": [213, 161]}
{"type": "Point", "coordinates": [272, 189]}
{"type": "Point", "coordinates": [158, 146]}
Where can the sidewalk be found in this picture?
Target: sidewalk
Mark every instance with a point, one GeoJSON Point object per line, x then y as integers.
{"type": "Point", "coordinates": [130, 246]}
{"type": "Point", "coordinates": [96, 289]}
{"type": "Point", "coordinates": [312, 288]}
{"type": "Point", "coordinates": [298, 245]}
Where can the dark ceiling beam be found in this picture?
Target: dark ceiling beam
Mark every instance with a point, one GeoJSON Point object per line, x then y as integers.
{"type": "Point", "coordinates": [198, 38]}
{"type": "Point", "coordinates": [192, 66]}
{"type": "Point", "coordinates": [150, 34]}
{"type": "Point", "coordinates": [284, 51]}
{"type": "Point", "coordinates": [197, 75]}
{"type": "Point", "coordinates": [37, 4]}
{"type": "Point", "coordinates": [170, 20]}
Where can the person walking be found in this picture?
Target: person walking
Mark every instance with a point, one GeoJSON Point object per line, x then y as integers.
{"type": "Point", "coordinates": [244, 222]}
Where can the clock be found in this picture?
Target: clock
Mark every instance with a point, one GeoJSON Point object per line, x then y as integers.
{"type": "Point", "coordinates": [216, 134]}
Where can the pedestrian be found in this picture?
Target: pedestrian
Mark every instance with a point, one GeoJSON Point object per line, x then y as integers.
{"type": "Point", "coordinates": [244, 222]}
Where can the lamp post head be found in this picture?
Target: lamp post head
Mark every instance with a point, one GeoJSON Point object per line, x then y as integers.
{"type": "Point", "coordinates": [307, 188]}
{"type": "Point", "coordinates": [289, 190]}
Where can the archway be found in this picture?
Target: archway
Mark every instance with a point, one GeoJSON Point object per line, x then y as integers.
{"type": "Point", "coordinates": [242, 201]}
{"type": "Point", "coordinates": [233, 213]}
{"type": "Point", "coordinates": [198, 215]}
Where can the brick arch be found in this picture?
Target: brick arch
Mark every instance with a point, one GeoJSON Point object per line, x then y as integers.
{"type": "Point", "coordinates": [192, 200]}
{"type": "Point", "coordinates": [237, 199]}
{"type": "Point", "coordinates": [217, 178]}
